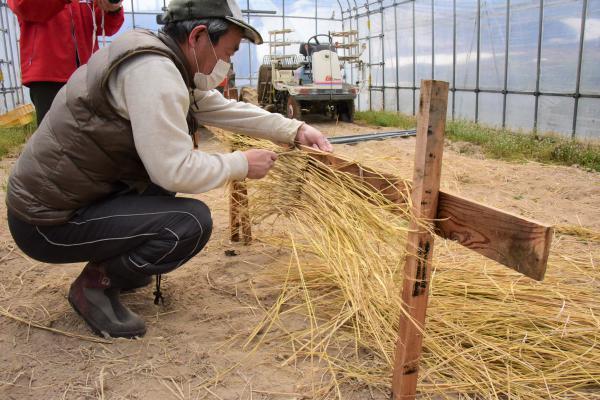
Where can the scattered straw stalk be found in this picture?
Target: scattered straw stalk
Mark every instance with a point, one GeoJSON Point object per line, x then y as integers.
{"type": "Point", "coordinates": [490, 333]}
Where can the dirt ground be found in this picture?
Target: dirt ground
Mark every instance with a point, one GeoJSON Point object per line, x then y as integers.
{"type": "Point", "coordinates": [193, 348]}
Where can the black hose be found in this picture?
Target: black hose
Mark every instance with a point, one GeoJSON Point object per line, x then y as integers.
{"type": "Point", "coordinates": [371, 136]}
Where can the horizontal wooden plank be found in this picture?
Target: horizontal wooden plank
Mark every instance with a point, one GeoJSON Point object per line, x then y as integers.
{"type": "Point", "coordinates": [392, 187]}
{"type": "Point", "coordinates": [516, 242]}
{"type": "Point", "coordinates": [509, 239]}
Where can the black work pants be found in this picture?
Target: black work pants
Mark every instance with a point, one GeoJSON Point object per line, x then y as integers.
{"type": "Point", "coordinates": [42, 95]}
{"type": "Point", "coordinates": [145, 234]}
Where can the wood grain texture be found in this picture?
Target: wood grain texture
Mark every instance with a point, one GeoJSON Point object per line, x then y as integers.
{"type": "Point", "coordinates": [431, 125]}
{"type": "Point", "coordinates": [244, 213]}
{"type": "Point", "coordinates": [234, 212]}
{"type": "Point", "coordinates": [519, 243]}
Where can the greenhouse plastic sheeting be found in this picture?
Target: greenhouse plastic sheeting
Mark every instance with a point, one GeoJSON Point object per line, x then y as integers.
{"type": "Point", "coordinates": [515, 63]}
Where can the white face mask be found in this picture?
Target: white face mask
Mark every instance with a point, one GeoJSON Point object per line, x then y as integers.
{"type": "Point", "coordinates": [218, 74]}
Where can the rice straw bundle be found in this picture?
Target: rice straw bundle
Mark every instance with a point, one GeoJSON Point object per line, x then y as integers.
{"type": "Point", "coordinates": [490, 333]}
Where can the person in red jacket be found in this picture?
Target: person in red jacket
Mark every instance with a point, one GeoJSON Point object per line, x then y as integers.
{"type": "Point", "coordinates": [57, 36]}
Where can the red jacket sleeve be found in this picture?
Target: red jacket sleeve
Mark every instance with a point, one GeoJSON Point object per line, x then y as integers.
{"type": "Point", "coordinates": [36, 10]}
{"type": "Point", "coordinates": [112, 21]}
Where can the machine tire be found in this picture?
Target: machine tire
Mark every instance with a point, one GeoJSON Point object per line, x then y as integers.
{"type": "Point", "coordinates": [293, 109]}
{"type": "Point", "coordinates": [346, 111]}
{"type": "Point", "coordinates": [265, 84]}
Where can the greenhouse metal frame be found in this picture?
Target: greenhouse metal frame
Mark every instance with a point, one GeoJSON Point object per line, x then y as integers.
{"type": "Point", "coordinates": [410, 40]}
{"type": "Point", "coordinates": [377, 9]}
{"type": "Point", "coordinates": [10, 82]}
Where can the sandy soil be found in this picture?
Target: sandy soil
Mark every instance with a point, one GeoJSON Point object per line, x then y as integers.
{"type": "Point", "coordinates": [212, 302]}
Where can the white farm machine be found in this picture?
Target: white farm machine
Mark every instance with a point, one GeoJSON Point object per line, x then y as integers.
{"type": "Point", "coordinates": [309, 82]}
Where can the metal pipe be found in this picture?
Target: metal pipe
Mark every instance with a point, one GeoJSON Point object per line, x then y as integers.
{"type": "Point", "coordinates": [282, 22]}
{"type": "Point", "coordinates": [360, 73]}
{"type": "Point", "coordinates": [132, 15]}
{"type": "Point", "coordinates": [343, 30]}
{"type": "Point", "coordinates": [3, 90]}
{"type": "Point", "coordinates": [316, 18]}
{"type": "Point", "coordinates": [498, 91]}
{"type": "Point", "coordinates": [9, 57]}
{"type": "Point", "coordinates": [382, 53]}
{"type": "Point", "coordinates": [397, 3]}
{"type": "Point", "coordinates": [454, 59]}
{"type": "Point", "coordinates": [432, 39]}
{"type": "Point", "coordinates": [15, 23]}
{"type": "Point", "coordinates": [579, 62]}
{"type": "Point", "coordinates": [13, 66]}
{"type": "Point", "coordinates": [340, 6]}
{"type": "Point", "coordinates": [370, 69]}
{"type": "Point", "coordinates": [371, 136]}
{"type": "Point", "coordinates": [11, 17]}
{"type": "Point", "coordinates": [271, 14]}
{"type": "Point", "coordinates": [371, 37]}
{"type": "Point", "coordinates": [397, 66]}
{"type": "Point", "coordinates": [262, 12]}
{"type": "Point", "coordinates": [294, 17]}
{"type": "Point", "coordinates": [350, 23]}
{"type": "Point", "coordinates": [506, 48]}
{"type": "Point", "coordinates": [478, 60]}
{"type": "Point", "coordinates": [538, 68]}
{"type": "Point", "coordinates": [5, 33]}
{"type": "Point", "coordinates": [414, 41]}
{"type": "Point", "coordinates": [249, 51]}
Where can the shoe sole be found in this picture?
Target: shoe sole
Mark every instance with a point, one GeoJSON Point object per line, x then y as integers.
{"type": "Point", "coordinates": [104, 334]}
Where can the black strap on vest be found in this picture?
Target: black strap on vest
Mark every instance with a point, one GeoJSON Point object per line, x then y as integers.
{"type": "Point", "coordinates": [191, 121]}
{"type": "Point", "coordinates": [174, 47]}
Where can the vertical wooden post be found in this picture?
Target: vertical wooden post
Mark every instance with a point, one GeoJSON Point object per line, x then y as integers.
{"type": "Point", "coordinates": [234, 211]}
{"type": "Point", "coordinates": [431, 124]}
{"type": "Point", "coordinates": [239, 213]}
{"type": "Point", "coordinates": [245, 214]}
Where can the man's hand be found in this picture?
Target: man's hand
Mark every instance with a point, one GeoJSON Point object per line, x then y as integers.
{"type": "Point", "coordinates": [309, 136]}
{"type": "Point", "coordinates": [107, 6]}
{"type": "Point", "coordinates": [259, 162]}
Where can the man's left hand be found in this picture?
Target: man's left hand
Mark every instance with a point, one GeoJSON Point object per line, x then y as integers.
{"type": "Point", "coordinates": [309, 136]}
{"type": "Point", "coordinates": [107, 6]}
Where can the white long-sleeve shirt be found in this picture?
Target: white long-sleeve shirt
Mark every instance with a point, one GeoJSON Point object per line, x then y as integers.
{"type": "Point", "coordinates": [150, 92]}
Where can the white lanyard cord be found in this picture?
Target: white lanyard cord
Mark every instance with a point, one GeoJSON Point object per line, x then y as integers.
{"type": "Point", "coordinates": [95, 27]}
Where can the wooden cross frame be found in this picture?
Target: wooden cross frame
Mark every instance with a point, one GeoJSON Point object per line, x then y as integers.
{"type": "Point", "coordinates": [516, 242]}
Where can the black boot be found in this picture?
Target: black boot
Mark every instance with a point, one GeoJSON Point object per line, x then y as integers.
{"type": "Point", "coordinates": [131, 284]}
{"type": "Point", "coordinates": [95, 296]}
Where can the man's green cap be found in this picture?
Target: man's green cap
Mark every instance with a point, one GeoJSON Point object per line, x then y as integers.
{"type": "Point", "coordinates": [185, 10]}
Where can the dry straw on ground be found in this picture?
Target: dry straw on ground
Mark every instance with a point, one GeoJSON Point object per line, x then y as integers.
{"type": "Point", "coordinates": [490, 333]}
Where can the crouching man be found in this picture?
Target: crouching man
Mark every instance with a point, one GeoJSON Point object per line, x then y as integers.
{"type": "Point", "coordinates": [96, 181]}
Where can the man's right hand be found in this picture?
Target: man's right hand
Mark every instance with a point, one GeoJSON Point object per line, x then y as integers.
{"type": "Point", "coordinates": [259, 162]}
